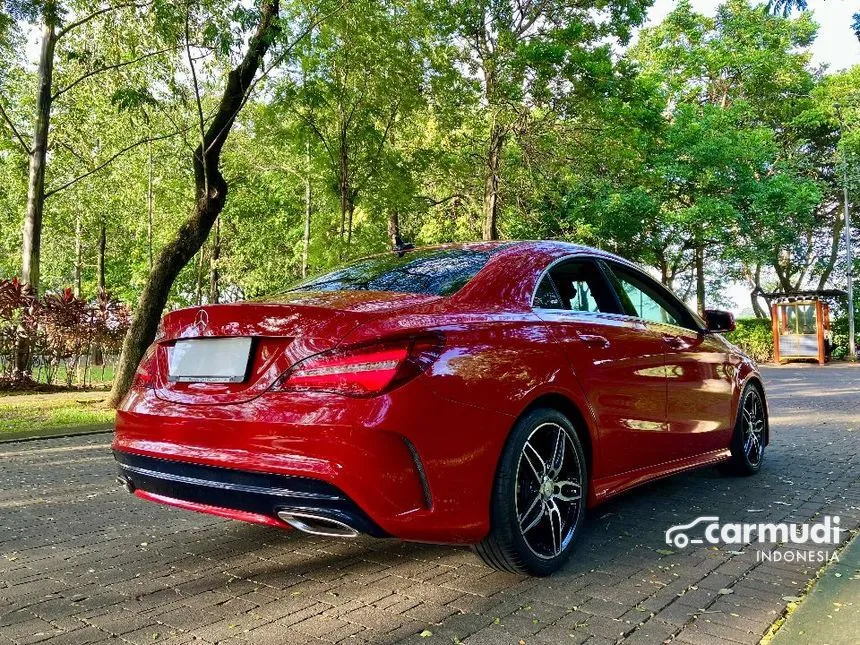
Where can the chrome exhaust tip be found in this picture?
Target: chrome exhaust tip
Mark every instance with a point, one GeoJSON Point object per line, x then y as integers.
{"type": "Point", "coordinates": [317, 524]}
{"type": "Point", "coordinates": [125, 483]}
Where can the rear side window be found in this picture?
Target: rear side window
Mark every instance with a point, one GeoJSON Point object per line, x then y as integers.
{"type": "Point", "coordinates": [546, 296]}
{"type": "Point", "coordinates": [436, 272]}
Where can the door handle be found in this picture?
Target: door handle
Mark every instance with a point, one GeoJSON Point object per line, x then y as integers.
{"type": "Point", "coordinates": [593, 340]}
{"type": "Point", "coordinates": [675, 342]}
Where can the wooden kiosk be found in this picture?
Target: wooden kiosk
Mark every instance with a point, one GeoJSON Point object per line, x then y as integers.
{"type": "Point", "coordinates": [801, 325]}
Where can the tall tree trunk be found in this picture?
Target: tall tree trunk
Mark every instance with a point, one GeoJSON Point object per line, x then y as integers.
{"type": "Point", "coordinates": [782, 276]}
{"type": "Point", "coordinates": [350, 213]}
{"type": "Point", "coordinates": [150, 202]}
{"type": "Point", "coordinates": [306, 236]}
{"type": "Point", "coordinates": [491, 185]}
{"type": "Point", "coordinates": [100, 257]}
{"type": "Point", "coordinates": [394, 229]}
{"type": "Point", "coordinates": [754, 294]}
{"type": "Point", "coordinates": [97, 357]}
{"type": "Point", "coordinates": [198, 280]}
{"type": "Point", "coordinates": [835, 243]}
{"type": "Point", "coordinates": [343, 183]}
{"type": "Point", "coordinates": [211, 195]}
{"type": "Point", "coordinates": [31, 246]}
{"type": "Point", "coordinates": [214, 255]}
{"type": "Point", "coordinates": [700, 277]}
{"type": "Point", "coordinates": [757, 309]}
{"type": "Point", "coordinates": [32, 241]}
{"type": "Point", "coordinates": [79, 255]}
{"type": "Point", "coordinates": [347, 197]}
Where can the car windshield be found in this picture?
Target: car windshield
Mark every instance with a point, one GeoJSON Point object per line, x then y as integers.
{"type": "Point", "coordinates": [437, 272]}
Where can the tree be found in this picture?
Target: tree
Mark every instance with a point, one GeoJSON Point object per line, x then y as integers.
{"type": "Point", "coordinates": [360, 73]}
{"type": "Point", "coordinates": [210, 191]}
{"type": "Point", "coordinates": [56, 29]}
{"type": "Point", "coordinates": [523, 53]}
{"type": "Point", "coordinates": [734, 83]}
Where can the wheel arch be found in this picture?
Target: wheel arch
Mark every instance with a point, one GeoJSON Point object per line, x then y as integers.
{"type": "Point", "coordinates": [571, 410]}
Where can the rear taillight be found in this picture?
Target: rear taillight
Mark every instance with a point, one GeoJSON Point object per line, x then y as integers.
{"type": "Point", "coordinates": [363, 370]}
{"type": "Point", "coordinates": [144, 377]}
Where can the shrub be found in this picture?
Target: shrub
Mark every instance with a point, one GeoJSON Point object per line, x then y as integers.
{"type": "Point", "coordinates": [755, 337]}
{"type": "Point", "coordinates": [839, 338]}
{"type": "Point", "coordinates": [56, 331]}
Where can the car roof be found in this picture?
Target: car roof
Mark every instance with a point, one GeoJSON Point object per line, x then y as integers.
{"type": "Point", "coordinates": [513, 247]}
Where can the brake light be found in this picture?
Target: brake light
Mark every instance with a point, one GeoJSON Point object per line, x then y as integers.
{"type": "Point", "coordinates": [144, 377]}
{"type": "Point", "coordinates": [363, 370]}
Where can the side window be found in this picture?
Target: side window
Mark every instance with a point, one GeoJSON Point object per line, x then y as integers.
{"type": "Point", "coordinates": [579, 293]}
{"type": "Point", "coordinates": [644, 300]}
{"type": "Point", "coordinates": [577, 285]}
{"type": "Point", "coordinates": [546, 296]}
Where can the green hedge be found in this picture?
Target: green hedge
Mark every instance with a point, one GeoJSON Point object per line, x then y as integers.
{"type": "Point", "coordinates": [839, 327]}
{"type": "Point", "coordinates": [755, 337]}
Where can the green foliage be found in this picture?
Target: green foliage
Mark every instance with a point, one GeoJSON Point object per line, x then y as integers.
{"type": "Point", "coordinates": [839, 332]}
{"type": "Point", "coordinates": [755, 337]}
{"type": "Point", "coordinates": [711, 133]}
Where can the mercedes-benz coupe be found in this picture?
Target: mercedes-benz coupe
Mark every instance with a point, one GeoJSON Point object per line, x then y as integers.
{"type": "Point", "coordinates": [483, 394]}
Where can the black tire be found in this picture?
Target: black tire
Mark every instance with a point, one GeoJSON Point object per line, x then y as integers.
{"type": "Point", "coordinates": [750, 435]}
{"type": "Point", "coordinates": [524, 478]}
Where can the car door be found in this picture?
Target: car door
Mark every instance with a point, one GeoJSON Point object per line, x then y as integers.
{"type": "Point", "coordinates": [617, 360]}
{"type": "Point", "coordinates": [698, 368]}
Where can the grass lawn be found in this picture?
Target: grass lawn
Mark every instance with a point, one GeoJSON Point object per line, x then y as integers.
{"type": "Point", "coordinates": [56, 410]}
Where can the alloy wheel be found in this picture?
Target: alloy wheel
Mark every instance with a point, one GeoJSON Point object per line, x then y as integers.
{"type": "Point", "coordinates": [753, 427]}
{"type": "Point", "coordinates": [548, 490]}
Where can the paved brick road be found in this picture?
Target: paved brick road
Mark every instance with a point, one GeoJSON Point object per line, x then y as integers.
{"type": "Point", "coordinates": [81, 561]}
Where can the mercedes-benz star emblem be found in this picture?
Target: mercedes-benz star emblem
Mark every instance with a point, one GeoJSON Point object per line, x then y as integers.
{"type": "Point", "coordinates": [201, 322]}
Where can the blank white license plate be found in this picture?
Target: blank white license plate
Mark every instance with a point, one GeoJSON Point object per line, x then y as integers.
{"type": "Point", "coordinates": [209, 360]}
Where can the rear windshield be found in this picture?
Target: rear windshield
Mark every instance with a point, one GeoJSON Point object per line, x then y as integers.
{"type": "Point", "coordinates": [437, 272]}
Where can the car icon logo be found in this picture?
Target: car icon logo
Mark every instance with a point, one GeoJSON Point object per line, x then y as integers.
{"type": "Point", "coordinates": [676, 535]}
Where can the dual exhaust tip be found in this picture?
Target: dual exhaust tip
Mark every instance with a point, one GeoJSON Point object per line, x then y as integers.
{"type": "Point", "coordinates": [317, 524]}
{"type": "Point", "coordinates": [126, 483]}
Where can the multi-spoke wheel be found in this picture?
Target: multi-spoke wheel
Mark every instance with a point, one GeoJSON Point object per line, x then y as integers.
{"type": "Point", "coordinates": [750, 435]}
{"type": "Point", "coordinates": [539, 496]}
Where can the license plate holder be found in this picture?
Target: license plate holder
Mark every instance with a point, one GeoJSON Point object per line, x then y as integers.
{"type": "Point", "coordinates": [209, 360]}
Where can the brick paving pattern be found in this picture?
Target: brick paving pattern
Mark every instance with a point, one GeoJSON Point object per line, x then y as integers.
{"type": "Point", "coordinates": [83, 562]}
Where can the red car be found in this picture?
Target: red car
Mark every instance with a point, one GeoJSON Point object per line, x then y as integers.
{"type": "Point", "coordinates": [482, 394]}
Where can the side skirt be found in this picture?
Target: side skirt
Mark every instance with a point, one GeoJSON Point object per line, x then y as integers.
{"type": "Point", "coordinates": [613, 485]}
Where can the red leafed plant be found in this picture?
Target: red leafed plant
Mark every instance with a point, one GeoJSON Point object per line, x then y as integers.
{"type": "Point", "coordinates": [56, 330]}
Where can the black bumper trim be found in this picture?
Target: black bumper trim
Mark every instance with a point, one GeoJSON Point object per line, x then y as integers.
{"type": "Point", "coordinates": [224, 485]}
{"type": "Point", "coordinates": [261, 493]}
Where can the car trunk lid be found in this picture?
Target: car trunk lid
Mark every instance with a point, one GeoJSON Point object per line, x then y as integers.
{"type": "Point", "coordinates": [283, 330]}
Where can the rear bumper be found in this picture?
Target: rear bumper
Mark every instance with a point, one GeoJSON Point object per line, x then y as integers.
{"type": "Point", "coordinates": [408, 464]}
{"type": "Point", "coordinates": [255, 497]}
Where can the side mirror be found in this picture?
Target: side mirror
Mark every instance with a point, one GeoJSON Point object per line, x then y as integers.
{"type": "Point", "coordinates": [719, 322]}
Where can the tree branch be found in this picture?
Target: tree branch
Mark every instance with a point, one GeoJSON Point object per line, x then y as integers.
{"type": "Point", "coordinates": [106, 68]}
{"type": "Point", "coordinates": [15, 130]}
{"type": "Point", "coordinates": [110, 160]}
{"type": "Point", "coordinates": [376, 160]}
{"type": "Point", "coordinates": [277, 61]}
{"type": "Point", "coordinates": [311, 123]}
{"type": "Point", "coordinates": [201, 122]}
{"type": "Point", "coordinates": [98, 12]}
{"type": "Point", "coordinates": [439, 202]}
